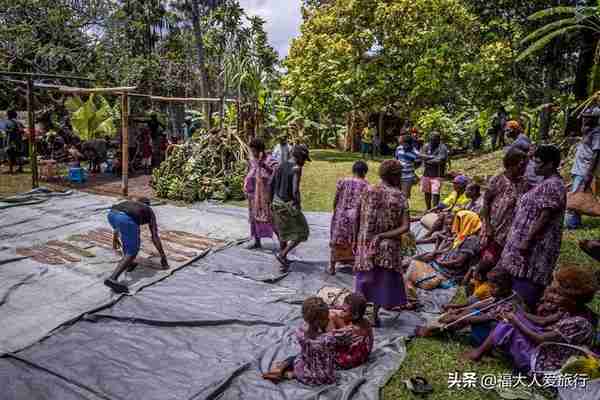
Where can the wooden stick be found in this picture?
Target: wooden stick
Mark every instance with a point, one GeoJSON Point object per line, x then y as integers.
{"type": "Point", "coordinates": [32, 138]}
{"type": "Point", "coordinates": [34, 75]}
{"type": "Point", "coordinates": [125, 143]}
{"type": "Point", "coordinates": [476, 312]}
{"type": "Point", "coordinates": [178, 99]}
{"type": "Point", "coordinates": [115, 90]}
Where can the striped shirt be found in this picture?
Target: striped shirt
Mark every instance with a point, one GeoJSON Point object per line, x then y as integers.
{"type": "Point", "coordinates": [408, 159]}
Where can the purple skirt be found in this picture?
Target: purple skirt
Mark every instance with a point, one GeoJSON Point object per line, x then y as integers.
{"type": "Point", "coordinates": [258, 230]}
{"type": "Point", "coordinates": [381, 287]}
{"type": "Point", "coordinates": [510, 339]}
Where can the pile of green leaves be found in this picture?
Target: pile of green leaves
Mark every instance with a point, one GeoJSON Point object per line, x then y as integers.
{"type": "Point", "coordinates": [209, 167]}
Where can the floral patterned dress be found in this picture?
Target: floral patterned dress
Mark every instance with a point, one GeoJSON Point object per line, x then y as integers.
{"type": "Point", "coordinates": [345, 221]}
{"type": "Point", "coordinates": [379, 264]}
{"type": "Point", "coordinates": [504, 195]}
{"type": "Point", "coordinates": [315, 365]}
{"type": "Point", "coordinates": [257, 187]}
{"type": "Point", "coordinates": [574, 330]}
{"type": "Point", "coordinates": [536, 269]}
{"type": "Point", "coordinates": [357, 352]}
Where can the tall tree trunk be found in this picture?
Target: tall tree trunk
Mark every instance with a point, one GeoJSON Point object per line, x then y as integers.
{"type": "Point", "coordinates": [583, 80]}
{"type": "Point", "coordinates": [551, 81]}
{"type": "Point", "coordinates": [204, 83]}
{"type": "Point", "coordinates": [379, 134]}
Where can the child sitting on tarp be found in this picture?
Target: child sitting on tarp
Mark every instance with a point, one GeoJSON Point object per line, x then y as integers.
{"type": "Point", "coordinates": [481, 316]}
{"type": "Point", "coordinates": [352, 315]}
{"type": "Point", "coordinates": [315, 365]}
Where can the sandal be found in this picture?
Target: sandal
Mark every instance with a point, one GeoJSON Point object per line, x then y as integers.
{"type": "Point", "coordinates": [419, 385]}
{"type": "Point", "coordinates": [273, 377]}
{"type": "Point", "coordinates": [331, 270]}
{"type": "Point", "coordinates": [285, 264]}
{"type": "Point", "coordinates": [592, 251]}
{"type": "Point", "coordinates": [116, 286]}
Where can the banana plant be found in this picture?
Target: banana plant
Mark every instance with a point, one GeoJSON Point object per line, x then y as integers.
{"type": "Point", "coordinates": [90, 121]}
{"type": "Point", "coordinates": [575, 19]}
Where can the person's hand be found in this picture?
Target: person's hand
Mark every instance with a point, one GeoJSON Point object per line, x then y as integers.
{"type": "Point", "coordinates": [524, 247]}
{"type": "Point", "coordinates": [428, 257]}
{"type": "Point", "coordinates": [164, 262]}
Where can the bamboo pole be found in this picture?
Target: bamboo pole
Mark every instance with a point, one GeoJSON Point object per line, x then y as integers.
{"type": "Point", "coordinates": [125, 143]}
{"type": "Point", "coordinates": [180, 99]}
{"type": "Point", "coordinates": [32, 139]}
{"type": "Point", "coordinates": [71, 90]}
{"type": "Point", "coordinates": [49, 76]}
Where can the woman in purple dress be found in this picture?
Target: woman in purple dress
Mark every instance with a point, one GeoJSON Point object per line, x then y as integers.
{"type": "Point", "coordinates": [562, 318]}
{"type": "Point", "coordinates": [346, 209]}
{"type": "Point", "coordinates": [379, 260]}
{"type": "Point", "coordinates": [257, 187]}
{"type": "Point", "coordinates": [533, 244]}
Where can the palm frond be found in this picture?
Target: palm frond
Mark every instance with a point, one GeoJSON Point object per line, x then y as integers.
{"type": "Point", "coordinates": [544, 41]}
{"type": "Point", "coordinates": [548, 28]}
{"type": "Point", "coordinates": [551, 12]}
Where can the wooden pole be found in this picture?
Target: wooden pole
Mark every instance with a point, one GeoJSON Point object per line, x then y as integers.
{"type": "Point", "coordinates": [32, 141]}
{"type": "Point", "coordinates": [50, 76]}
{"type": "Point", "coordinates": [125, 143]}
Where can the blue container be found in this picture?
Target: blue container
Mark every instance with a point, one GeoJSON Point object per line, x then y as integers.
{"type": "Point", "coordinates": [77, 175]}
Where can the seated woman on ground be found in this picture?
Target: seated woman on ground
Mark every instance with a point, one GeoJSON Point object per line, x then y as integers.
{"type": "Point", "coordinates": [457, 199]}
{"type": "Point", "coordinates": [447, 268]}
{"type": "Point", "coordinates": [352, 316]}
{"type": "Point", "coordinates": [443, 237]}
{"type": "Point", "coordinates": [315, 365]}
{"type": "Point", "coordinates": [561, 318]}
{"type": "Point", "coordinates": [481, 315]}
{"type": "Point", "coordinates": [473, 193]}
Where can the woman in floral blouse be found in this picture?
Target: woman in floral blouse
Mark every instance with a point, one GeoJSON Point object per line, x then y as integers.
{"type": "Point", "coordinates": [379, 262]}
{"type": "Point", "coordinates": [533, 244]}
{"type": "Point", "coordinates": [344, 224]}
{"type": "Point", "coordinates": [257, 186]}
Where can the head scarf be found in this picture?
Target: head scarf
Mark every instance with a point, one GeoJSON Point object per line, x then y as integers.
{"type": "Point", "coordinates": [514, 125]}
{"type": "Point", "coordinates": [466, 223]}
{"type": "Point", "coordinates": [461, 180]}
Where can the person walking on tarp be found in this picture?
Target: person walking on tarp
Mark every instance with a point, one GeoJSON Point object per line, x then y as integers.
{"type": "Point", "coordinates": [126, 219]}
{"type": "Point", "coordinates": [290, 223]}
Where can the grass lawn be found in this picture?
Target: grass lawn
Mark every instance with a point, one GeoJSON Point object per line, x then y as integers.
{"type": "Point", "coordinates": [431, 358]}
{"type": "Point", "coordinates": [15, 183]}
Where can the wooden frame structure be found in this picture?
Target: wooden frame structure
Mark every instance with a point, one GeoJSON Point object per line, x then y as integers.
{"type": "Point", "coordinates": [124, 92]}
{"type": "Point", "coordinates": [30, 111]}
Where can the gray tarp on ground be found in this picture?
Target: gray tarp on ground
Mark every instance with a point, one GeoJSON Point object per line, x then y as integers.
{"type": "Point", "coordinates": [206, 332]}
{"type": "Point", "coordinates": [35, 298]}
